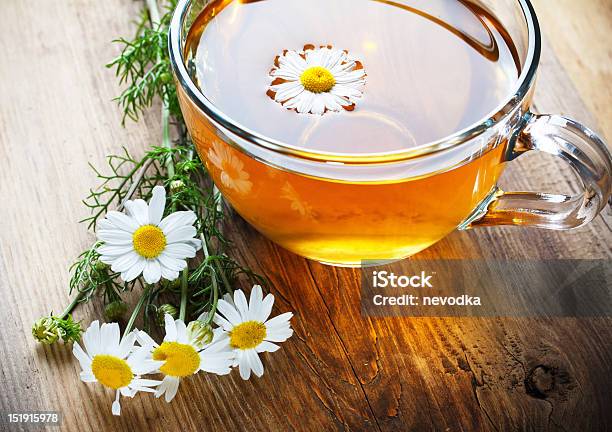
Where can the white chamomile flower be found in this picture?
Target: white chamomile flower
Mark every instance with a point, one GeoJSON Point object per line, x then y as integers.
{"type": "Point", "coordinates": [115, 363]}
{"type": "Point", "coordinates": [142, 242]}
{"type": "Point", "coordinates": [249, 329]}
{"type": "Point", "coordinates": [184, 352]}
{"type": "Point", "coordinates": [316, 80]}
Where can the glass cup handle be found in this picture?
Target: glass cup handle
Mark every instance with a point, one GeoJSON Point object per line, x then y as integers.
{"type": "Point", "coordinates": [586, 153]}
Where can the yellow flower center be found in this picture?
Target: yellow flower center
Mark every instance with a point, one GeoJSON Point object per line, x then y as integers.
{"type": "Point", "coordinates": [111, 371]}
{"type": "Point", "coordinates": [180, 359]}
{"type": "Point", "coordinates": [149, 241]}
{"type": "Point", "coordinates": [317, 79]}
{"type": "Point", "coordinates": [247, 335]}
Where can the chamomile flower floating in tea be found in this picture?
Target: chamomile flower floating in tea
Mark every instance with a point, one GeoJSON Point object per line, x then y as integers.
{"type": "Point", "coordinates": [141, 242]}
{"type": "Point", "coordinates": [115, 363]}
{"type": "Point", "coordinates": [185, 351]}
{"type": "Point", "coordinates": [233, 175]}
{"type": "Point", "coordinates": [316, 80]}
{"type": "Point", "coordinates": [249, 329]}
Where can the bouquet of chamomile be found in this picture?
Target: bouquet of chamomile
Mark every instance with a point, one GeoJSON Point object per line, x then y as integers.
{"type": "Point", "coordinates": [157, 222]}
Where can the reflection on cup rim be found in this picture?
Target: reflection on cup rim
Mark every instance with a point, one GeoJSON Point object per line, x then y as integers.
{"type": "Point", "coordinates": [523, 84]}
{"type": "Point", "coordinates": [387, 120]}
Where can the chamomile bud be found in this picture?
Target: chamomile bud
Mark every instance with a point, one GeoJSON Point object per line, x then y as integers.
{"type": "Point", "coordinates": [166, 77]}
{"type": "Point", "coordinates": [199, 333]}
{"type": "Point", "coordinates": [115, 310]}
{"type": "Point", "coordinates": [176, 186]}
{"type": "Point", "coordinates": [100, 266]}
{"type": "Point", "coordinates": [164, 309]}
{"type": "Point", "coordinates": [46, 331]}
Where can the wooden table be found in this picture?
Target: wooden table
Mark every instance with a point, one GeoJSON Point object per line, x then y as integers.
{"type": "Point", "coordinates": [340, 370]}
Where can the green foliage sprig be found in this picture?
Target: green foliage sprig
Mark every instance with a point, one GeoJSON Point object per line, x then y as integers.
{"type": "Point", "coordinates": [143, 66]}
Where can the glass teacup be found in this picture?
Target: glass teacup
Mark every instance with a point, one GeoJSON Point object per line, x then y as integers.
{"type": "Point", "coordinates": [342, 209]}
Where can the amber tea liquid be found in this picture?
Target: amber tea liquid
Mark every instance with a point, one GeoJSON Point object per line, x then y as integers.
{"type": "Point", "coordinates": [433, 68]}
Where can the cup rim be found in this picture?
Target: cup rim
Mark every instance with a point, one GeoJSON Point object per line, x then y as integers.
{"type": "Point", "coordinates": [499, 113]}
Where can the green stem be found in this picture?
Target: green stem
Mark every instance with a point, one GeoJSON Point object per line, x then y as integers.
{"type": "Point", "coordinates": [72, 305]}
{"type": "Point", "coordinates": [153, 12]}
{"type": "Point", "coordinates": [166, 143]}
{"type": "Point", "coordinates": [184, 285]}
{"type": "Point", "coordinates": [136, 311]}
{"type": "Point", "coordinates": [213, 278]}
{"type": "Point", "coordinates": [165, 114]}
{"type": "Point", "coordinates": [116, 193]}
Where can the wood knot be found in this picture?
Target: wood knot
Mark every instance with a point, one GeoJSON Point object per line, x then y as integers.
{"type": "Point", "coordinates": [540, 381]}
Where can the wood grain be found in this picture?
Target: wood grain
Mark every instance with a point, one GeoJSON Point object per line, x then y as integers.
{"type": "Point", "coordinates": [340, 371]}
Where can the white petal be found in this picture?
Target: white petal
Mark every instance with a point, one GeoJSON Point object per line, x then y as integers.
{"type": "Point", "coordinates": [318, 104]}
{"type": "Point", "coordinates": [116, 409]}
{"type": "Point", "coordinates": [114, 236]}
{"type": "Point", "coordinates": [229, 312]}
{"type": "Point", "coordinates": [105, 224]}
{"type": "Point", "coordinates": [172, 263]}
{"type": "Point", "coordinates": [139, 210]}
{"type": "Point", "coordinates": [128, 391]}
{"type": "Point", "coordinates": [304, 102]}
{"type": "Point", "coordinates": [157, 205]}
{"type": "Point", "coordinates": [169, 274]}
{"type": "Point", "coordinates": [84, 359]}
{"type": "Point", "coordinates": [125, 262]}
{"type": "Point", "coordinates": [266, 346]}
{"type": "Point", "coordinates": [173, 385]}
{"type": "Point", "coordinates": [147, 367]}
{"type": "Point", "coordinates": [144, 339]}
{"type": "Point", "coordinates": [255, 301]}
{"type": "Point", "coordinates": [87, 377]}
{"type": "Point", "coordinates": [331, 103]}
{"type": "Point", "coordinates": [334, 58]}
{"type": "Point", "coordinates": [138, 356]}
{"type": "Point", "coordinates": [152, 271]}
{"type": "Point", "coordinates": [292, 61]}
{"type": "Point", "coordinates": [122, 221]}
{"type": "Point", "coordinates": [196, 243]}
{"type": "Point", "coordinates": [220, 321]}
{"type": "Point", "coordinates": [170, 328]}
{"type": "Point", "coordinates": [279, 320]}
{"type": "Point", "coordinates": [241, 304]}
{"type": "Point", "coordinates": [313, 57]}
{"type": "Point", "coordinates": [127, 344]}
{"type": "Point", "coordinates": [181, 331]}
{"type": "Point", "coordinates": [134, 271]}
{"type": "Point", "coordinates": [345, 66]}
{"type": "Point", "coordinates": [109, 337]}
{"type": "Point", "coordinates": [220, 341]}
{"type": "Point", "coordinates": [278, 335]}
{"type": "Point", "coordinates": [217, 363]}
{"type": "Point", "coordinates": [350, 77]}
{"type": "Point", "coordinates": [181, 234]}
{"type": "Point", "coordinates": [179, 251]}
{"type": "Point", "coordinates": [285, 73]}
{"type": "Point", "coordinates": [228, 298]}
{"type": "Point", "coordinates": [91, 339]}
{"type": "Point", "coordinates": [161, 389]}
{"type": "Point", "coordinates": [287, 90]}
{"type": "Point", "coordinates": [255, 362]}
{"type": "Point", "coordinates": [177, 219]}
{"type": "Point", "coordinates": [140, 382]}
{"type": "Point", "coordinates": [109, 260]}
{"type": "Point", "coordinates": [345, 90]}
{"type": "Point", "coordinates": [113, 250]}
{"type": "Point", "coordinates": [243, 365]}
{"type": "Point", "coordinates": [265, 309]}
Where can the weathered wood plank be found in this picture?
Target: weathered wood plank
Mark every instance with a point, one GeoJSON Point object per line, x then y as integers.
{"type": "Point", "coordinates": [340, 371]}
